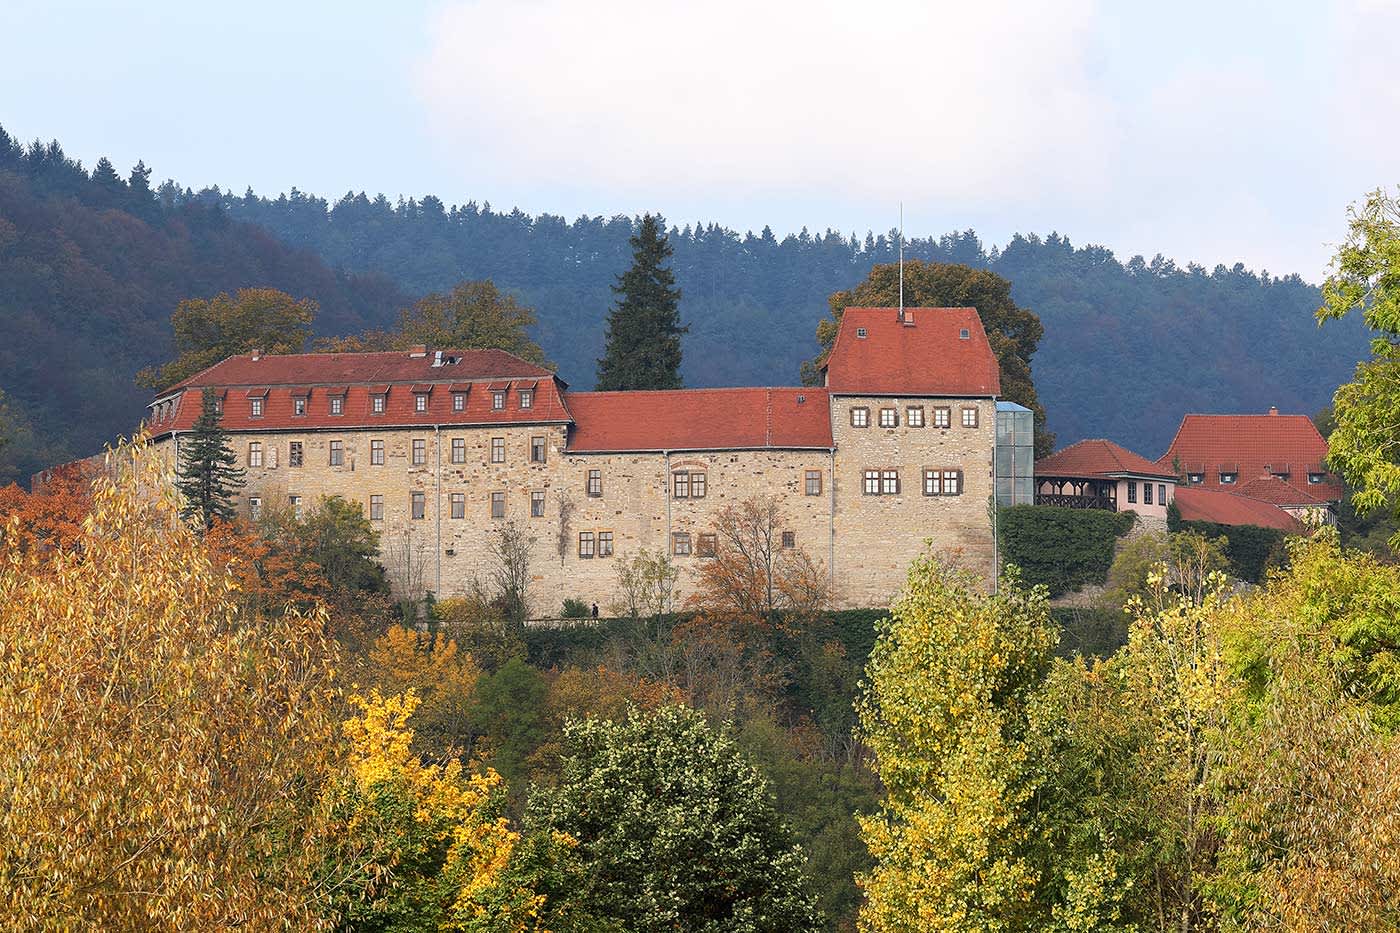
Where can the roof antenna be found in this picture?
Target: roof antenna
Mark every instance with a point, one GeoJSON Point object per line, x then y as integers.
{"type": "Point", "coordinates": [901, 262]}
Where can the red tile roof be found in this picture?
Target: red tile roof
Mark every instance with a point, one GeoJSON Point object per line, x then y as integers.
{"type": "Point", "coordinates": [1226, 508]}
{"type": "Point", "coordinates": [925, 355]}
{"type": "Point", "coordinates": [1098, 457]}
{"type": "Point", "coordinates": [699, 419]}
{"type": "Point", "coordinates": [360, 368]}
{"type": "Point", "coordinates": [1252, 445]}
{"type": "Point", "coordinates": [1269, 488]}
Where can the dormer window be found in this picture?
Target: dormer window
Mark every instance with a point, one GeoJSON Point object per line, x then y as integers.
{"type": "Point", "coordinates": [1316, 478]}
{"type": "Point", "coordinates": [860, 332]}
{"type": "Point", "coordinates": [1228, 479]}
{"type": "Point", "coordinates": [964, 334]}
{"type": "Point", "coordinates": [376, 404]}
{"type": "Point", "coordinates": [337, 404]}
{"type": "Point", "coordinates": [219, 405]}
{"type": "Point", "coordinates": [527, 398]}
{"type": "Point", "coordinates": [498, 400]}
{"type": "Point", "coordinates": [459, 401]}
{"type": "Point", "coordinates": [420, 402]}
{"type": "Point", "coordinates": [255, 408]}
{"type": "Point", "coordinates": [1195, 478]}
{"type": "Point", "coordinates": [299, 406]}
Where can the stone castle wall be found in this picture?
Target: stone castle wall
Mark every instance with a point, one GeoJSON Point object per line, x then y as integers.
{"type": "Point", "coordinates": [866, 542]}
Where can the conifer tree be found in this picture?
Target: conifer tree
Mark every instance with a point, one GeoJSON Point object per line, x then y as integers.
{"type": "Point", "coordinates": [644, 329]}
{"type": "Point", "coordinates": [207, 477]}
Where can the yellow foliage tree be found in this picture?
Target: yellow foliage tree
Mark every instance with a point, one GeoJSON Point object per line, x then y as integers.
{"type": "Point", "coordinates": [162, 753]}
{"type": "Point", "coordinates": [441, 675]}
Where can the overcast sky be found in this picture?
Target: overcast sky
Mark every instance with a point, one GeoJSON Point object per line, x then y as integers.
{"type": "Point", "coordinates": [1204, 133]}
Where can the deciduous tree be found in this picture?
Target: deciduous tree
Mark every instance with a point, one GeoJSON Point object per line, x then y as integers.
{"type": "Point", "coordinates": [207, 330]}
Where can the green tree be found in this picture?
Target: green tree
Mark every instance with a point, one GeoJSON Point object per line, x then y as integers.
{"type": "Point", "coordinates": [337, 537]}
{"type": "Point", "coordinates": [644, 328]}
{"type": "Point", "coordinates": [208, 330]}
{"type": "Point", "coordinates": [207, 477]}
{"type": "Point", "coordinates": [945, 711]}
{"type": "Point", "coordinates": [473, 316]}
{"type": "Point", "coordinates": [1014, 332]}
{"type": "Point", "coordinates": [1365, 442]}
{"type": "Point", "coordinates": [675, 829]}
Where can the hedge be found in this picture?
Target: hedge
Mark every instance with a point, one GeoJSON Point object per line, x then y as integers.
{"type": "Point", "coordinates": [1061, 548]}
{"type": "Point", "coordinates": [1250, 549]}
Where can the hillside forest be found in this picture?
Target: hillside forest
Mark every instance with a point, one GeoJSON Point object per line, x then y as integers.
{"type": "Point", "coordinates": [94, 262]}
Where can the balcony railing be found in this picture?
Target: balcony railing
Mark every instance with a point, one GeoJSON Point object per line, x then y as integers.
{"type": "Point", "coordinates": [1107, 503]}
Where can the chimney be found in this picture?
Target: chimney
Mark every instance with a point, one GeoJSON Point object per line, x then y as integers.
{"type": "Point", "coordinates": [418, 350]}
{"type": "Point", "coordinates": [257, 355]}
{"type": "Point", "coordinates": [1273, 410]}
{"type": "Point", "coordinates": [907, 317]}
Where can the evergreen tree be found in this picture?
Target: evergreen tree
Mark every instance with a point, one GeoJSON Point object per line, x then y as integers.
{"type": "Point", "coordinates": [207, 477]}
{"type": "Point", "coordinates": [644, 329]}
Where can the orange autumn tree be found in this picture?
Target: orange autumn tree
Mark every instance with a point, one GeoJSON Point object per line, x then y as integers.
{"type": "Point", "coordinates": [162, 750]}
{"type": "Point", "coordinates": [51, 516]}
{"type": "Point", "coordinates": [754, 576]}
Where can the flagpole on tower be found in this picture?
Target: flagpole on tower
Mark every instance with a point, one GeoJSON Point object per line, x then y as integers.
{"type": "Point", "coordinates": [901, 260]}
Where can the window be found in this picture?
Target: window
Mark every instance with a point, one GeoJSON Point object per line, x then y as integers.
{"type": "Point", "coordinates": [860, 332]}
{"type": "Point", "coordinates": [294, 454]}
{"type": "Point", "coordinates": [537, 450]}
{"type": "Point", "coordinates": [459, 450]}
{"type": "Point", "coordinates": [964, 334]}
{"type": "Point", "coordinates": [789, 539]}
{"type": "Point", "coordinates": [1315, 478]}
{"type": "Point", "coordinates": [872, 482]}
{"type": "Point", "coordinates": [585, 545]}
{"type": "Point", "coordinates": [814, 483]}
{"type": "Point", "coordinates": [860, 417]}
{"type": "Point", "coordinates": [605, 544]}
{"type": "Point", "coordinates": [254, 454]}
{"type": "Point", "coordinates": [420, 402]}
{"type": "Point", "coordinates": [272, 456]}
{"type": "Point", "coordinates": [952, 482]}
{"type": "Point", "coordinates": [969, 417]}
{"type": "Point", "coordinates": [889, 483]}
{"type": "Point", "coordinates": [1161, 493]}
{"type": "Point", "coordinates": [942, 417]}
{"type": "Point", "coordinates": [376, 508]}
{"type": "Point", "coordinates": [498, 505]}
{"type": "Point", "coordinates": [337, 453]}
{"type": "Point", "coordinates": [337, 404]}
{"type": "Point", "coordinates": [298, 406]}
{"type": "Point", "coordinates": [418, 504]}
{"type": "Point", "coordinates": [1195, 477]}
{"type": "Point", "coordinates": [680, 485]}
{"type": "Point", "coordinates": [218, 406]}
{"type": "Point", "coordinates": [933, 483]}
{"type": "Point", "coordinates": [1132, 490]}
{"type": "Point", "coordinates": [889, 418]}
{"type": "Point", "coordinates": [420, 452]}
{"type": "Point", "coordinates": [1146, 493]}
{"type": "Point", "coordinates": [254, 507]}
{"type": "Point", "coordinates": [459, 401]}
{"type": "Point", "coordinates": [296, 506]}
{"type": "Point", "coordinates": [1228, 478]}
{"type": "Point", "coordinates": [705, 545]}
{"type": "Point", "coordinates": [498, 400]}
{"type": "Point", "coordinates": [680, 543]}
{"type": "Point", "coordinates": [537, 504]}
{"type": "Point", "coordinates": [527, 398]}
{"type": "Point", "coordinates": [376, 453]}
{"type": "Point", "coordinates": [376, 404]}
{"type": "Point", "coordinates": [498, 450]}
{"type": "Point", "coordinates": [914, 416]}
{"type": "Point", "coordinates": [697, 485]}
{"type": "Point", "coordinates": [595, 482]}
{"type": "Point", "coordinates": [255, 407]}
{"type": "Point", "coordinates": [459, 505]}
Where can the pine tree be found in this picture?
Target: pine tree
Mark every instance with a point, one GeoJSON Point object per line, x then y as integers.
{"type": "Point", "coordinates": [207, 476]}
{"type": "Point", "coordinates": [644, 328]}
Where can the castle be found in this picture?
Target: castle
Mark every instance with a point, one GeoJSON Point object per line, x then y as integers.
{"type": "Point", "coordinates": [440, 447]}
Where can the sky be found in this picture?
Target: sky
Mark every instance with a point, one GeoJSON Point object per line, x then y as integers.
{"type": "Point", "coordinates": [1207, 132]}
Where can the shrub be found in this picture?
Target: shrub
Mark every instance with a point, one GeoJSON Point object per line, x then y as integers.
{"type": "Point", "coordinates": [575, 609]}
{"type": "Point", "coordinates": [1062, 549]}
{"type": "Point", "coordinates": [1251, 549]}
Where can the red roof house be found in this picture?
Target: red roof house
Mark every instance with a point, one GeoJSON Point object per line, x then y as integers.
{"type": "Point", "coordinates": [1097, 473]}
{"type": "Point", "coordinates": [1227, 451]}
{"type": "Point", "coordinates": [927, 351]}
